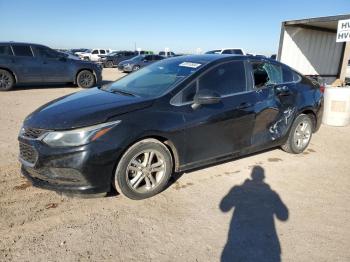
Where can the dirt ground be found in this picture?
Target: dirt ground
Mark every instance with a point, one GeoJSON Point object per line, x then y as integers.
{"type": "Point", "coordinates": [228, 211]}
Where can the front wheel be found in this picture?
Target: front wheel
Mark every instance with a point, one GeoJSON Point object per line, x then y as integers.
{"type": "Point", "coordinates": [135, 68]}
{"type": "Point", "coordinates": [86, 79]}
{"type": "Point", "coordinates": [144, 170]}
{"type": "Point", "coordinates": [300, 135]}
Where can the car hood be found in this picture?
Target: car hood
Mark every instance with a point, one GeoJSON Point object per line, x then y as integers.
{"type": "Point", "coordinates": [83, 108]}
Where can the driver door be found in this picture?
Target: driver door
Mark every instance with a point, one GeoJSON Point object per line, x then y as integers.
{"type": "Point", "coordinates": [218, 130]}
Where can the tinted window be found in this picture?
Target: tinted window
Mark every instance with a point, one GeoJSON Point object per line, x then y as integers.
{"type": "Point", "coordinates": [266, 73]}
{"type": "Point", "coordinates": [102, 52]}
{"type": "Point", "coordinates": [287, 75]}
{"type": "Point", "coordinates": [46, 52]}
{"type": "Point", "coordinates": [157, 57]}
{"type": "Point", "coordinates": [22, 50]}
{"type": "Point", "coordinates": [226, 79]}
{"type": "Point", "coordinates": [148, 57]}
{"type": "Point", "coordinates": [94, 52]}
{"type": "Point", "coordinates": [5, 50]}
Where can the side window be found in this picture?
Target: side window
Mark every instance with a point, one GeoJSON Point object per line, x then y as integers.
{"type": "Point", "coordinates": [296, 77]}
{"type": "Point", "coordinates": [266, 73]}
{"type": "Point", "coordinates": [46, 52]}
{"type": "Point", "coordinates": [227, 51]}
{"type": "Point", "coordinates": [102, 52]}
{"type": "Point", "coordinates": [186, 95]}
{"type": "Point", "coordinates": [287, 75]}
{"type": "Point", "coordinates": [226, 79]}
{"type": "Point", "coordinates": [95, 52]}
{"type": "Point", "coordinates": [5, 50]}
{"type": "Point", "coordinates": [22, 50]}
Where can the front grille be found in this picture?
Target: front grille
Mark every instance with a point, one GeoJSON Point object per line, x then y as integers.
{"type": "Point", "coordinates": [27, 153]}
{"type": "Point", "coordinates": [33, 132]}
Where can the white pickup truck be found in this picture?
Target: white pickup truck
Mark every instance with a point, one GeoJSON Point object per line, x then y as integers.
{"type": "Point", "coordinates": [94, 54]}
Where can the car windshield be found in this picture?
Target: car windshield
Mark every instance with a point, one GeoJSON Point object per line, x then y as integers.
{"type": "Point", "coordinates": [214, 52]}
{"type": "Point", "coordinates": [155, 79]}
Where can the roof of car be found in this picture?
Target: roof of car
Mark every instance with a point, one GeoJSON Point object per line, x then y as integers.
{"type": "Point", "coordinates": [19, 43]}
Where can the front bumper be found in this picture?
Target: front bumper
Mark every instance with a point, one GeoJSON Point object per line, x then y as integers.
{"type": "Point", "coordinates": [77, 170]}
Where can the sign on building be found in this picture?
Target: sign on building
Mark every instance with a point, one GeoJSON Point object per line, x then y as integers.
{"type": "Point", "coordinates": [343, 32]}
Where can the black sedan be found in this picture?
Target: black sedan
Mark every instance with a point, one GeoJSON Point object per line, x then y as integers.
{"type": "Point", "coordinates": [114, 58]}
{"type": "Point", "coordinates": [138, 62]}
{"type": "Point", "coordinates": [174, 115]}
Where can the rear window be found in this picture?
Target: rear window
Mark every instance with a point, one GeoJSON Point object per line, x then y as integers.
{"type": "Point", "coordinates": [233, 51]}
{"type": "Point", "coordinates": [22, 50]}
{"type": "Point", "coordinates": [5, 50]}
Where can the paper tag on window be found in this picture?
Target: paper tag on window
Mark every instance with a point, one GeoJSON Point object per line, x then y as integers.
{"type": "Point", "coordinates": [189, 64]}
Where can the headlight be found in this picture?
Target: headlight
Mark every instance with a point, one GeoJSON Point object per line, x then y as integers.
{"type": "Point", "coordinates": [78, 137]}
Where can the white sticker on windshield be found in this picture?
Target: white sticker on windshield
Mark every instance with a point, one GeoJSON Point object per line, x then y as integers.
{"type": "Point", "coordinates": [189, 64]}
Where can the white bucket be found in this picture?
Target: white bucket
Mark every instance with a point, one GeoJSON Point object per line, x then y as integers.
{"type": "Point", "coordinates": [336, 106]}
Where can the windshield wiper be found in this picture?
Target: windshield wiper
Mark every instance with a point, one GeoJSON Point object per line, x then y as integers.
{"type": "Point", "coordinates": [122, 92]}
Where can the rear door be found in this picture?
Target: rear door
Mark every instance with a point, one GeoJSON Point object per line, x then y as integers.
{"type": "Point", "coordinates": [218, 130]}
{"type": "Point", "coordinates": [28, 66]}
{"type": "Point", "coordinates": [274, 102]}
{"type": "Point", "coordinates": [54, 68]}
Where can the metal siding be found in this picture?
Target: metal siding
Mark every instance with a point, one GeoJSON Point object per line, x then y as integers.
{"type": "Point", "coordinates": [311, 52]}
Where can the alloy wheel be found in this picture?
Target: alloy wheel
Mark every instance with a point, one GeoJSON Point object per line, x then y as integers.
{"type": "Point", "coordinates": [5, 81]}
{"type": "Point", "coordinates": [145, 171]}
{"type": "Point", "coordinates": [86, 80]}
{"type": "Point", "coordinates": [302, 134]}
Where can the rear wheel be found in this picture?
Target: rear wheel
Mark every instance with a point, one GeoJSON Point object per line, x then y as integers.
{"type": "Point", "coordinates": [300, 135]}
{"type": "Point", "coordinates": [7, 80]}
{"type": "Point", "coordinates": [109, 64]}
{"type": "Point", "coordinates": [86, 79]}
{"type": "Point", "coordinates": [144, 170]}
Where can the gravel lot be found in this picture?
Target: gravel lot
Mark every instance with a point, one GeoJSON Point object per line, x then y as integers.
{"type": "Point", "coordinates": [301, 209]}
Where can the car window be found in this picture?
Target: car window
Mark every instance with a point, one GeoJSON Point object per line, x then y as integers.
{"type": "Point", "coordinates": [94, 52]}
{"type": "Point", "coordinates": [157, 57]}
{"type": "Point", "coordinates": [102, 51]}
{"type": "Point", "coordinates": [266, 73]}
{"type": "Point", "coordinates": [46, 52]}
{"type": "Point", "coordinates": [148, 58]}
{"type": "Point", "coordinates": [287, 75]}
{"type": "Point", "coordinates": [5, 50]}
{"type": "Point", "coordinates": [22, 50]}
{"type": "Point", "coordinates": [226, 79]}
{"type": "Point", "coordinates": [155, 79]}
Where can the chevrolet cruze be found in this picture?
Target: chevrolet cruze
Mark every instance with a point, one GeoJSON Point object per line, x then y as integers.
{"type": "Point", "coordinates": [174, 115]}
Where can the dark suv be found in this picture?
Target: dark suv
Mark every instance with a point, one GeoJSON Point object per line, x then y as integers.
{"type": "Point", "coordinates": [22, 63]}
{"type": "Point", "coordinates": [113, 59]}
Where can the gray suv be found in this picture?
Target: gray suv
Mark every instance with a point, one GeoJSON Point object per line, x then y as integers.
{"type": "Point", "coordinates": [24, 63]}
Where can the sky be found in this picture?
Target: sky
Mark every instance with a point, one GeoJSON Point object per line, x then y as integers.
{"type": "Point", "coordinates": [181, 25]}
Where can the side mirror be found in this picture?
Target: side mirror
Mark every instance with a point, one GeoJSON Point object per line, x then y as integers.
{"type": "Point", "coordinates": [205, 97]}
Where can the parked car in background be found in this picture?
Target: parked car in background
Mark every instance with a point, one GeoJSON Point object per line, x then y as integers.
{"type": "Point", "coordinates": [138, 62]}
{"type": "Point", "coordinates": [114, 58]}
{"type": "Point", "coordinates": [94, 54]}
{"type": "Point", "coordinates": [78, 51]}
{"type": "Point", "coordinates": [230, 51]}
{"type": "Point", "coordinates": [174, 115]}
{"type": "Point", "coordinates": [23, 63]}
{"type": "Point", "coordinates": [167, 54]}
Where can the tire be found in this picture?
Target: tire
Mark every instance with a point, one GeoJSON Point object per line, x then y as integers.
{"type": "Point", "coordinates": [301, 131]}
{"type": "Point", "coordinates": [7, 81]}
{"type": "Point", "coordinates": [135, 68]}
{"type": "Point", "coordinates": [135, 177]}
{"type": "Point", "coordinates": [109, 64]}
{"type": "Point", "coordinates": [86, 79]}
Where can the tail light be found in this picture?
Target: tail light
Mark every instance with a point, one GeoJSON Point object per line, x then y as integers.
{"type": "Point", "coordinates": [322, 88]}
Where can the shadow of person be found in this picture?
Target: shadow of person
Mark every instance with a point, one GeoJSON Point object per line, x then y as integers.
{"type": "Point", "coordinates": [252, 235]}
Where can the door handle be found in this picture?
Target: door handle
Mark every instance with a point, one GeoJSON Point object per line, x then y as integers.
{"type": "Point", "coordinates": [282, 90]}
{"type": "Point", "coordinates": [244, 105]}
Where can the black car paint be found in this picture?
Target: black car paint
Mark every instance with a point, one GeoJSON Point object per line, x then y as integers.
{"type": "Point", "coordinates": [38, 69]}
{"type": "Point", "coordinates": [240, 124]}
